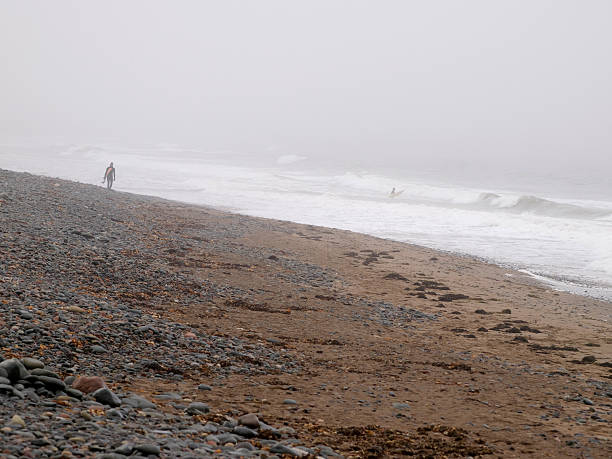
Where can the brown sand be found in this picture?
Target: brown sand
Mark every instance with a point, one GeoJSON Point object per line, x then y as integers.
{"type": "Point", "coordinates": [518, 399]}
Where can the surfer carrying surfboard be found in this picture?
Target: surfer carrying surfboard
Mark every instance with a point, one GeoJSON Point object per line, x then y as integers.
{"type": "Point", "coordinates": [395, 193]}
{"type": "Point", "coordinates": [109, 176]}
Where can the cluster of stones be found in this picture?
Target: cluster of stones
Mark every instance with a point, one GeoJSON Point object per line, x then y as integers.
{"type": "Point", "coordinates": [47, 416]}
{"type": "Point", "coordinates": [82, 275]}
{"type": "Point", "coordinates": [72, 256]}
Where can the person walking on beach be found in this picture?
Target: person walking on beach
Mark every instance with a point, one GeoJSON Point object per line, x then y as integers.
{"type": "Point", "coordinates": [109, 176]}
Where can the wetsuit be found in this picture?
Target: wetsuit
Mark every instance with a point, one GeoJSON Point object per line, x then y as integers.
{"type": "Point", "coordinates": [109, 176]}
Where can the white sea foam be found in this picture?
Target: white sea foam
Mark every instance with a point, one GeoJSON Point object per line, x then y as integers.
{"type": "Point", "coordinates": [563, 239]}
{"type": "Point", "coordinates": [290, 159]}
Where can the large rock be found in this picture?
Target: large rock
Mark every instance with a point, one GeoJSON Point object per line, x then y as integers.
{"type": "Point", "coordinates": [136, 401]}
{"type": "Point", "coordinates": [14, 369]}
{"type": "Point", "coordinates": [43, 372]}
{"type": "Point", "coordinates": [31, 363]}
{"type": "Point", "coordinates": [249, 420]}
{"type": "Point", "coordinates": [88, 384]}
{"type": "Point", "coordinates": [197, 408]}
{"type": "Point", "coordinates": [74, 393]}
{"type": "Point", "coordinates": [55, 384]}
{"type": "Point", "coordinates": [106, 397]}
{"type": "Point", "coordinates": [244, 432]}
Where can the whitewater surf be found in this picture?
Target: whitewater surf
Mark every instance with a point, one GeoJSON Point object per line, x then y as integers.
{"type": "Point", "coordinates": [564, 241]}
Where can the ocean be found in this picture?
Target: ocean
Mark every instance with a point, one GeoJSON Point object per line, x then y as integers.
{"type": "Point", "coordinates": [556, 228]}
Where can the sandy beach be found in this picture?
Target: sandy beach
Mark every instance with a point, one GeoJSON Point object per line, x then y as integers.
{"type": "Point", "coordinates": [367, 347]}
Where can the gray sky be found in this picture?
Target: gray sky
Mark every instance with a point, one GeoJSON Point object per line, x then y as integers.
{"type": "Point", "coordinates": [476, 80]}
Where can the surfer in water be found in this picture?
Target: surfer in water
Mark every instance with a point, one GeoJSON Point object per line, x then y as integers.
{"type": "Point", "coordinates": [395, 193]}
{"type": "Point", "coordinates": [109, 176]}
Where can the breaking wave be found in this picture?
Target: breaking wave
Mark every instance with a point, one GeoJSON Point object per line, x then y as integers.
{"type": "Point", "coordinates": [540, 206]}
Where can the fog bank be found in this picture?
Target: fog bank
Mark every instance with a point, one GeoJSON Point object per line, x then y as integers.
{"type": "Point", "coordinates": [412, 83]}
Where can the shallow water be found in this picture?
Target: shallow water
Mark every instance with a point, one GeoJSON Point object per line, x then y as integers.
{"type": "Point", "coordinates": [556, 232]}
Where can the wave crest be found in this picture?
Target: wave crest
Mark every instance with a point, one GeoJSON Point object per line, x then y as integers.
{"type": "Point", "coordinates": [540, 206]}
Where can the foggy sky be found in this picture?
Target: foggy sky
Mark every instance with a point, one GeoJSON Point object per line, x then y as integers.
{"type": "Point", "coordinates": [478, 80]}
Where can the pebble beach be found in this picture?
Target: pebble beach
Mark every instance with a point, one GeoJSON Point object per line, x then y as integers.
{"type": "Point", "coordinates": [132, 326]}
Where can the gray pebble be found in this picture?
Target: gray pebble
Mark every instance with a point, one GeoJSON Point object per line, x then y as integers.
{"type": "Point", "coordinates": [197, 408]}
{"type": "Point", "coordinates": [148, 448]}
{"type": "Point", "coordinates": [106, 397]}
{"type": "Point", "coordinates": [97, 349]}
{"type": "Point", "coordinates": [31, 363]}
{"type": "Point", "coordinates": [244, 432]}
{"type": "Point", "coordinates": [136, 401]}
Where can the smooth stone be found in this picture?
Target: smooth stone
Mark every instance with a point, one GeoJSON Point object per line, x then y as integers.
{"type": "Point", "coordinates": [75, 309]}
{"type": "Point", "coordinates": [289, 401]}
{"type": "Point", "coordinates": [204, 387]}
{"type": "Point", "coordinates": [168, 396]}
{"type": "Point", "coordinates": [401, 406]}
{"type": "Point", "coordinates": [148, 448]}
{"type": "Point", "coordinates": [17, 420]}
{"type": "Point", "coordinates": [244, 432]}
{"type": "Point", "coordinates": [14, 369]}
{"type": "Point", "coordinates": [126, 449]}
{"type": "Point", "coordinates": [97, 349]}
{"type": "Point", "coordinates": [136, 401]}
{"type": "Point", "coordinates": [25, 314]}
{"type": "Point", "coordinates": [212, 439]}
{"type": "Point", "coordinates": [31, 363]}
{"type": "Point", "coordinates": [106, 397]}
{"type": "Point", "coordinates": [210, 428]}
{"type": "Point", "coordinates": [326, 450]}
{"type": "Point", "coordinates": [52, 383]}
{"type": "Point", "coordinates": [197, 408]}
{"type": "Point", "coordinates": [249, 420]}
{"type": "Point", "coordinates": [269, 430]}
{"type": "Point", "coordinates": [43, 372]}
{"type": "Point", "coordinates": [287, 430]}
{"type": "Point", "coordinates": [230, 422]}
{"type": "Point", "coordinates": [242, 452]}
{"type": "Point", "coordinates": [10, 388]}
{"type": "Point", "coordinates": [282, 449]}
{"type": "Point", "coordinates": [4, 380]}
{"type": "Point", "coordinates": [69, 380]}
{"type": "Point", "coordinates": [226, 438]}
{"type": "Point", "coordinates": [88, 384]}
{"type": "Point", "coordinates": [3, 372]}
{"type": "Point", "coordinates": [245, 445]}
{"type": "Point", "coordinates": [114, 413]}
{"type": "Point", "coordinates": [74, 392]}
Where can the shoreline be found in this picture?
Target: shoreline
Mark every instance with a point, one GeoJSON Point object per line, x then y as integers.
{"type": "Point", "coordinates": [589, 290]}
{"type": "Point", "coordinates": [366, 345]}
{"type": "Point", "coordinates": [600, 291]}
{"type": "Point", "coordinates": [578, 287]}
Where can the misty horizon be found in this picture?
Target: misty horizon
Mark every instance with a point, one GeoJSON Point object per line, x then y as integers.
{"type": "Point", "coordinates": [413, 83]}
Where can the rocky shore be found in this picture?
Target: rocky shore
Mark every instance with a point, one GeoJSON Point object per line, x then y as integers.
{"type": "Point", "coordinates": [134, 326]}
